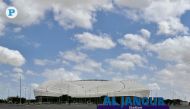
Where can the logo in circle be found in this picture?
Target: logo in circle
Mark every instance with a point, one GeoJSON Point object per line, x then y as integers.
{"type": "Point", "coordinates": [11, 12]}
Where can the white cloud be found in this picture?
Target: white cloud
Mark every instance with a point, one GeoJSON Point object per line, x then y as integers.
{"type": "Point", "coordinates": [154, 86]}
{"type": "Point", "coordinates": [68, 14]}
{"type": "Point", "coordinates": [89, 66]}
{"type": "Point", "coordinates": [82, 62]}
{"type": "Point", "coordinates": [31, 43]}
{"type": "Point", "coordinates": [34, 85]}
{"type": "Point", "coordinates": [2, 19]}
{"type": "Point", "coordinates": [133, 3]}
{"type": "Point", "coordinates": [91, 41]}
{"type": "Point", "coordinates": [161, 12]}
{"type": "Point", "coordinates": [174, 49]}
{"type": "Point", "coordinates": [17, 29]}
{"type": "Point", "coordinates": [30, 12]}
{"type": "Point", "coordinates": [175, 77]}
{"type": "Point", "coordinates": [48, 62]}
{"type": "Point", "coordinates": [127, 61]}
{"type": "Point", "coordinates": [3, 89]}
{"type": "Point", "coordinates": [31, 73]}
{"type": "Point", "coordinates": [20, 37]}
{"type": "Point", "coordinates": [145, 33]}
{"type": "Point", "coordinates": [17, 70]}
{"type": "Point", "coordinates": [136, 42]}
{"type": "Point", "coordinates": [144, 77]}
{"type": "Point", "coordinates": [60, 73]}
{"type": "Point", "coordinates": [73, 56]}
{"type": "Point", "coordinates": [17, 76]}
{"type": "Point", "coordinates": [35, 44]}
{"type": "Point", "coordinates": [126, 77]}
{"type": "Point", "coordinates": [172, 26]}
{"type": "Point", "coordinates": [42, 62]}
{"type": "Point", "coordinates": [11, 57]}
{"type": "Point", "coordinates": [71, 14]}
{"type": "Point", "coordinates": [176, 74]}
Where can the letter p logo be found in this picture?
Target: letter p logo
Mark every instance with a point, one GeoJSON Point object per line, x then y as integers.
{"type": "Point", "coordinates": [11, 12]}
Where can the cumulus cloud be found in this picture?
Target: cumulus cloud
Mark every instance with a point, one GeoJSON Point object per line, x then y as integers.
{"type": "Point", "coordinates": [82, 62]}
{"type": "Point", "coordinates": [11, 57]}
{"type": "Point", "coordinates": [176, 73]}
{"type": "Point", "coordinates": [127, 61]}
{"type": "Point", "coordinates": [71, 14]}
{"type": "Point", "coordinates": [136, 42]}
{"type": "Point", "coordinates": [17, 70]}
{"type": "Point", "coordinates": [130, 77]}
{"type": "Point", "coordinates": [154, 86]}
{"type": "Point", "coordinates": [91, 41]}
{"type": "Point", "coordinates": [31, 73]}
{"type": "Point", "coordinates": [176, 77]}
{"type": "Point", "coordinates": [89, 66]}
{"type": "Point", "coordinates": [17, 29]}
{"type": "Point", "coordinates": [174, 49]}
{"type": "Point", "coordinates": [161, 12]}
{"type": "Point", "coordinates": [60, 73]}
{"type": "Point", "coordinates": [42, 62]}
{"type": "Point", "coordinates": [34, 85]}
{"type": "Point", "coordinates": [29, 12]}
{"type": "Point", "coordinates": [73, 56]}
{"type": "Point", "coordinates": [68, 14]}
{"type": "Point", "coordinates": [17, 74]}
{"type": "Point", "coordinates": [2, 19]}
{"type": "Point", "coordinates": [133, 3]}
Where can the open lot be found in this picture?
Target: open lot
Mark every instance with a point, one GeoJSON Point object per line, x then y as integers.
{"type": "Point", "coordinates": [60, 106]}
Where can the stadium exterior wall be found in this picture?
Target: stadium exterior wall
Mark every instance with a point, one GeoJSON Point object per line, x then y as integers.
{"type": "Point", "coordinates": [91, 89]}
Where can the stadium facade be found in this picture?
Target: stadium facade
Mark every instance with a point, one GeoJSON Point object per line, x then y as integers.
{"type": "Point", "coordinates": [88, 90]}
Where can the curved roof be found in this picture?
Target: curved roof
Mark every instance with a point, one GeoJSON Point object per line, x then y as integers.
{"type": "Point", "coordinates": [91, 88]}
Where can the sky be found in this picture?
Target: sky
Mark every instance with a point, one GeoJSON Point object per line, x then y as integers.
{"type": "Point", "coordinates": [144, 40]}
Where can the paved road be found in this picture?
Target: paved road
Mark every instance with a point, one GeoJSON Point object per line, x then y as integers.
{"type": "Point", "coordinates": [47, 106]}
{"type": "Point", "coordinates": [180, 107]}
{"type": "Point", "coordinates": [59, 106]}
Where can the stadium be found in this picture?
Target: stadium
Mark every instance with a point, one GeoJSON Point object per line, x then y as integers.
{"type": "Point", "coordinates": [87, 91]}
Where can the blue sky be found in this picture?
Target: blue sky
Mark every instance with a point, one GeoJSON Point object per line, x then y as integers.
{"type": "Point", "coordinates": [112, 40]}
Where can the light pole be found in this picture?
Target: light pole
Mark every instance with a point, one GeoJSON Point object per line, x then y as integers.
{"type": "Point", "coordinates": [8, 93]}
{"type": "Point", "coordinates": [29, 94]}
{"type": "Point", "coordinates": [20, 89]}
{"type": "Point", "coordinates": [60, 96]}
{"type": "Point", "coordinates": [85, 95]}
{"type": "Point", "coordinates": [25, 92]}
{"type": "Point", "coordinates": [151, 93]}
{"type": "Point", "coordinates": [47, 94]}
{"type": "Point", "coordinates": [68, 93]}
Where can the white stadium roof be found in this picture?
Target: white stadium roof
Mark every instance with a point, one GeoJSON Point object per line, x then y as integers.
{"type": "Point", "coordinates": [91, 88]}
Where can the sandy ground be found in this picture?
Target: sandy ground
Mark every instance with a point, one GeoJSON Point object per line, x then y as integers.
{"type": "Point", "coordinates": [60, 106]}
